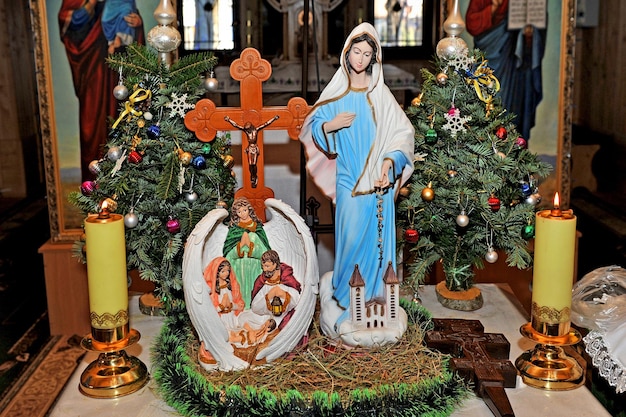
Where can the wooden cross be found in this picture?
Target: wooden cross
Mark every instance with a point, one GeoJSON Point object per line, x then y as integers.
{"type": "Point", "coordinates": [480, 357]}
{"type": "Point", "coordinates": [207, 119]}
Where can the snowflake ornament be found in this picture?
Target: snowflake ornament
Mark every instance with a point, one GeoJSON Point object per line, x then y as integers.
{"type": "Point", "coordinates": [461, 61]}
{"type": "Point", "coordinates": [455, 122]}
{"type": "Point", "coordinates": [179, 105]}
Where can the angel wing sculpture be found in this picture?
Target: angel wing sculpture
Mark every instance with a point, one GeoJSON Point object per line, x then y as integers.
{"type": "Point", "coordinates": [234, 333]}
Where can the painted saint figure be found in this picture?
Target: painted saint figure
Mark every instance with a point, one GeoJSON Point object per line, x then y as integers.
{"type": "Point", "coordinates": [276, 291]}
{"type": "Point", "coordinates": [245, 243]}
{"type": "Point", "coordinates": [514, 55]}
{"type": "Point", "coordinates": [116, 18]}
{"type": "Point", "coordinates": [252, 150]}
{"type": "Point", "coordinates": [360, 149]}
{"type": "Point", "coordinates": [87, 48]}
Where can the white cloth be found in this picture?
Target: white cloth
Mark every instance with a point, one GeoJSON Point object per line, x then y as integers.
{"type": "Point", "coordinates": [599, 304]}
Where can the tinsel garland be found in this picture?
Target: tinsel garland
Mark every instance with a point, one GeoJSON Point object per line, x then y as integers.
{"type": "Point", "coordinates": [181, 384]}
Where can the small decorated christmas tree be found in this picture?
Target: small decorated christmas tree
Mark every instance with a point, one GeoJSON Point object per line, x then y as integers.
{"type": "Point", "coordinates": [474, 188]}
{"type": "Point", "coordinates": [153, 170]}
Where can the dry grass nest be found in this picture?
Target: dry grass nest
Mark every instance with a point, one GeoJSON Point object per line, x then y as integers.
{"type": "Point", "coordinates": [322, 365]}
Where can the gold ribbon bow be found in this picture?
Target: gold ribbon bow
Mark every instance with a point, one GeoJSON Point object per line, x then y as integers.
{"type": "Point", "coordinates": [483, 78]}
{"type": "Point", "coordinates": [138, 95]}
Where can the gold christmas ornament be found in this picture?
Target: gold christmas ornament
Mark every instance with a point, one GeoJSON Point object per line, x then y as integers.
{"type": "Point", "coordinates": [442, 78]}
{"type": "Point", "coordinates": [405, 191]}
{"type": "Point", "coordinates": [229, 161]}
{"type": "Point", "coordinates": [111, 204]}
{"type": "Point", "coordinates": [428, 194]}
{"type": "Point", "coordinates": [185, 158]}
{"type": "Point", "coordinates": [417, 100]}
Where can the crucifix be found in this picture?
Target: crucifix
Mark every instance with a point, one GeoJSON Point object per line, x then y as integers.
{"type": "Point", "coordinates": [251, 118]}
{"type": "Point", "coordinates": [480, 357]}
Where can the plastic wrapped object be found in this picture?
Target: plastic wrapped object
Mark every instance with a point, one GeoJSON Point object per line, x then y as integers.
{"type": "Point", "coordinates": [599, 304]}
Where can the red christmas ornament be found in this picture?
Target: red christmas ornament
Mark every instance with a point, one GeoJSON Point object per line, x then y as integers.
{"type": "Point", "coordinates": [521, 142]}
{"type": "Point", "coordinates": [173, 225]}
{"type": "Point", "coordinates": [494, 203]}
{"type": "Point", "coordinates": [411, 235]}
{"type": "Point", "coordinates": [135, 157]}
{"type": "Point", "coordinates": [501, 132]}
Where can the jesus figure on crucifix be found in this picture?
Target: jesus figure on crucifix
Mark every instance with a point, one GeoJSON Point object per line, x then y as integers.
{"type": "Point", "coordinates": [252, 150]}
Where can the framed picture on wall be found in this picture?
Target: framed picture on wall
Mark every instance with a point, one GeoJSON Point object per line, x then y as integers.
{"type": "Point", "coordinates": [75, 92]}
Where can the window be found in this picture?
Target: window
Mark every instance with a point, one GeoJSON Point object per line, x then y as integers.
{"type": "Point", "coordinates": [208, 25]}
{"type": "Point", "coordinates": [405, 27]}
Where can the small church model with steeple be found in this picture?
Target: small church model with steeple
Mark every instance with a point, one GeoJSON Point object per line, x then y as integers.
{"type": "Point", "coordinates": [373, 322]}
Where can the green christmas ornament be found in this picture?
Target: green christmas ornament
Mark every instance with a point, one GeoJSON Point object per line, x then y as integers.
{"type": "Point", "coordinates": [528, 231]}
{"type": "Point", "coordinates": [206, 148]}
{"type": "Point", "coordinates": [431, 136]}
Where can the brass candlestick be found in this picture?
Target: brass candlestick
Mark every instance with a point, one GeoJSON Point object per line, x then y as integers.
{"type": "Point", "coordinates": [548, 366]}
{"type": "Point", "coordinates": [114, 373]}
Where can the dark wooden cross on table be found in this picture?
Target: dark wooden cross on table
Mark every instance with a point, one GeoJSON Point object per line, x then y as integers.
{"type": "Point", "coordinates": [480, 357]}
{"type": "Point", "coordinates": [207, 119]}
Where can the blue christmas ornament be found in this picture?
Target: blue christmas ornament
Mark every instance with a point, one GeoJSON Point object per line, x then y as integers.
{"type": "Point", "coordinates": [154, 131]}
{"type": "Point", "coordinates": [115, 134]}
{"type": "Point", "coordinates": [199, 162]}
{"type": "Point", "coordinates": [525, 189]}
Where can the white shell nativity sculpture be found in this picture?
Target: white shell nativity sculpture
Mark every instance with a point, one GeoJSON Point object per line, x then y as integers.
{"type": "Point", "coordinates": [250, 288]}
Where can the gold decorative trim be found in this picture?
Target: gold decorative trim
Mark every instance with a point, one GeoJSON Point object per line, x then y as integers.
{"type": "Point", "coordinates": [564, 151]}
{"type": "Point", "coordinates": [109, 320]}
{"type": "Point", "coordinates": [551, 314]}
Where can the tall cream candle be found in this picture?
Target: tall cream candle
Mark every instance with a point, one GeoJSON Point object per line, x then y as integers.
{"type": "Point", "coordinates": [553, 273]}
{"type": "Point", "coordinates": [106, 273]}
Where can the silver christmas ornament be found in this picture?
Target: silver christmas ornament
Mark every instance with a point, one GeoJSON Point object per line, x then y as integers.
{"type": "Point", "coordinates": [537, 197]}
{"type": "Point", "coordinates": [462, 219]}
{"type": "Point", "coordinates": [491, 256]}
{"type": "Point", "coordinates": [147, 115]}
{"type": "Point", "coordinates": [120, 92]}
{"type": "Point", "coordinates": [191, 197]}
{"type": "Point", "coordinates": [452, 45]}
{"type": "Point", "coordinates": [94, 167]}
{"type": "Point", "coordinates": [531, 199]}
{"type": "Point", "coordinates": [114, 153]}
{"type": "Point", "coordinates": [211, 83]}
{"type": "Point", "coordinates": [164, 38]}
{"type": "Point", "coordinates": [131, 220]}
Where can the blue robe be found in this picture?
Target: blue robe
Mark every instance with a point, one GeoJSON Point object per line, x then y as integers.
{"type": "Point", "coordinates": [518, 67]}
{"type": "Point", "coordinates": [356, 222]}
{"type": "Point", "coordinates": [113, 23]}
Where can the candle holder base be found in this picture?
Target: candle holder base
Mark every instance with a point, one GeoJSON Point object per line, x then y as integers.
{"type": "Point", "coordinates": [548, 366]}
{"type": "Point", "coordinates": [114, 373]}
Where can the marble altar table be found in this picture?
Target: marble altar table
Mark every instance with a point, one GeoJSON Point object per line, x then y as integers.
{"type": "Point", "coordinates": [501, 313]}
